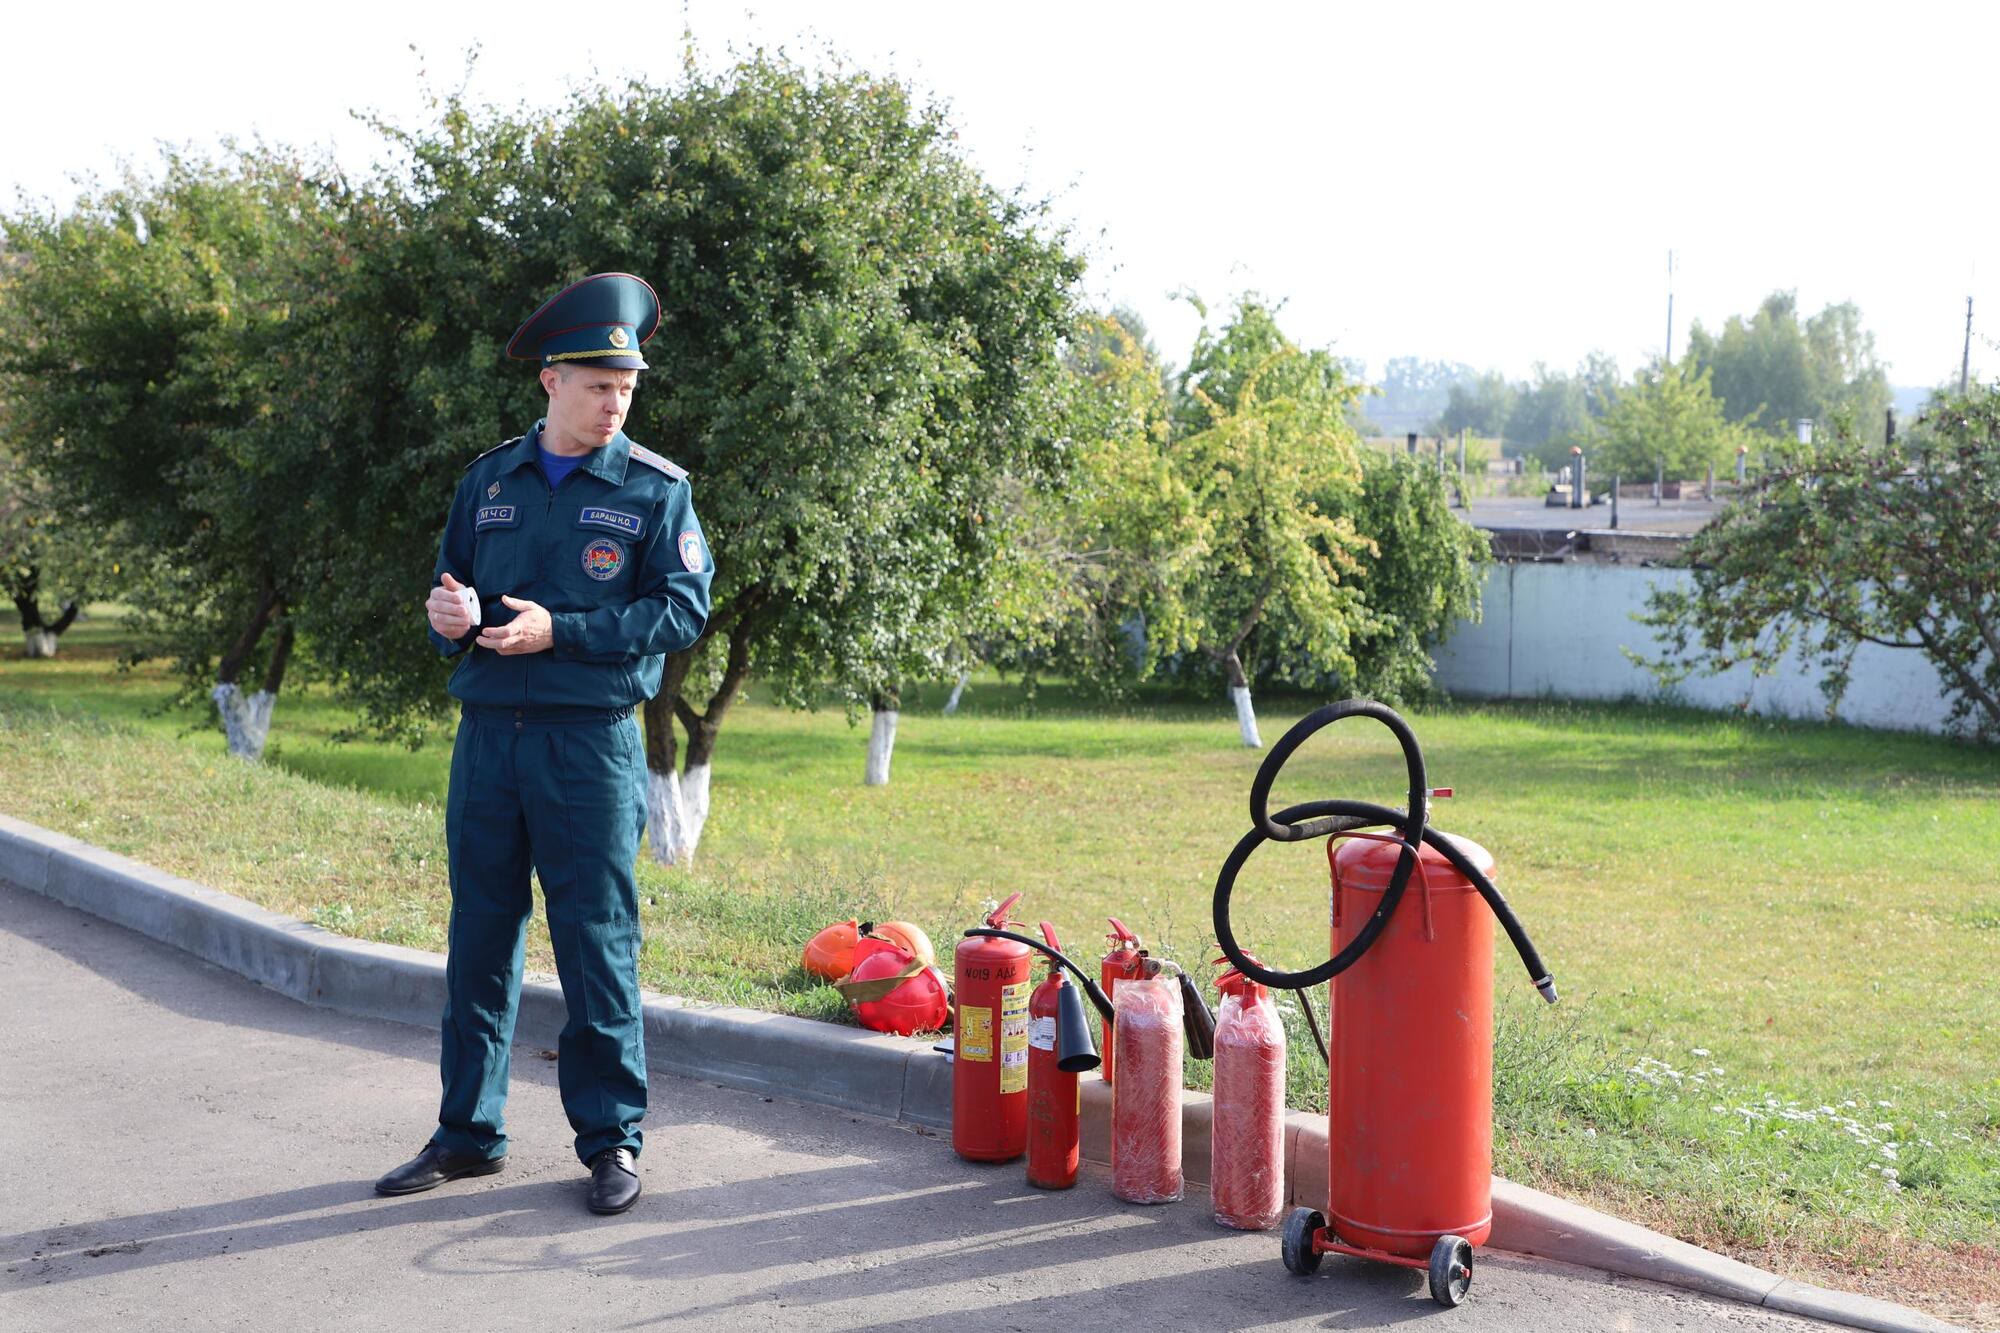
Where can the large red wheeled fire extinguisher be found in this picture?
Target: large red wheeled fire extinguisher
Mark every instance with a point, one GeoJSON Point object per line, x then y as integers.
{"type": "Point", "coordinates": [1410, 1132]}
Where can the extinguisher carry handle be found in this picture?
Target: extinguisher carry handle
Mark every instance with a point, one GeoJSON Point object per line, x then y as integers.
{"type": "Point", "coordinates": [998, 916]}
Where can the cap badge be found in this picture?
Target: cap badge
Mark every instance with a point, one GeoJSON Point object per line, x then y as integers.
{"type": "Point", "coordinates": [619, 338]}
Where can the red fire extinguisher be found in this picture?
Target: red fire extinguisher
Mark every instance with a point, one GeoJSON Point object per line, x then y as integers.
{"type": "Point", "coordinates": [1053, 1094]}
{"type": "Point", "coordinates": [1123, 962]}
{"type": "Point", "coordinates": [989, 1068]}
{"type": "Point", "coordinates": [1411, 1057]}
{"type": "Point", "coordinates": [1146, 1100]}
{"type": "Point", "coordinates": [1246, 1174]}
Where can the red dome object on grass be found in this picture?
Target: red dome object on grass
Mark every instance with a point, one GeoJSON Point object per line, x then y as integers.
{"type": "Point", "coordinates": [891, 990]}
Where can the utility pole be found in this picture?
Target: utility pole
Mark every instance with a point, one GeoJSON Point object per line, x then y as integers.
{"type": "Point", "coordinates": [1965, 362]}
{"type": "Point", "coordinates": [1668, 358]}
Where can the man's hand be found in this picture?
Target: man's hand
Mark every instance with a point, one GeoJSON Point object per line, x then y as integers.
{"type": "Point", "coordinates": [448, 614]}
{"type": "Point", "coordinates": [528, 632]}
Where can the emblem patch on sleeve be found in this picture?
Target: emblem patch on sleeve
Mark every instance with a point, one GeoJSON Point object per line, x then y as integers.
{"type": "Point", "coordinates": [691, 555]}
{"type": "Point", "coordinates": [603, 558]}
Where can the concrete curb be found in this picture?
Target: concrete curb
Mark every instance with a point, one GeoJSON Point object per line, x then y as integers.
{"type": "Point", "coordinates": [803, 1060]}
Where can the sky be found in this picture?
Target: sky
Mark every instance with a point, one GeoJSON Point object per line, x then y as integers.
{"type": "Point", "coordinates": [1493, 184]}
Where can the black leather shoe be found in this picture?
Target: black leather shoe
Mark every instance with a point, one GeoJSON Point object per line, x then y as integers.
{"type": "Point", "coordinates": [432, 1167]}
{"type": "Point", "coordinates": [614, 1181]}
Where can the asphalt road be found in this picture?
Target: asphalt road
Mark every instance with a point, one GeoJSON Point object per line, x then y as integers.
{"type": "Point", "coordinates": [182, 1149]}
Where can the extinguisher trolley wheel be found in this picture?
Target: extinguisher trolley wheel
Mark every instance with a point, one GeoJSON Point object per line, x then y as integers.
{"type": "Point", "coordinates": [1307, 1238]}
{"type": "Point", "coordinates": [1298, 1242]}
{"type": "Point", "coordinates": [1451, 1269]}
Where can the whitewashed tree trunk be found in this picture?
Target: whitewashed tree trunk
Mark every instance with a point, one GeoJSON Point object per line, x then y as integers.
{"type": "Point", "coordinates": [41, 643]}
{"type": "Point", "coordinates": [1246, 716]}
{"type": "Point", "coordinates": [881, 745]}
{"type": "Point", "coordinates": [676, 812]}
{"type": "Point", "coordinates": [951, 704]}
{"type": "Point", "coordinates": [694, 808]}
{"type": "Point", "coordinates": [665, 815]}
{"type": "Point", "coordinates": [246, 719]}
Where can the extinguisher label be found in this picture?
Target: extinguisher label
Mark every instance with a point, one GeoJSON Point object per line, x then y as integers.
{"type": "Point", "coordinates": [1042, 1033]}
{"type": "Point", "coordinates": [975, 1033]}
{"type": "Point", "coordinates": [1014, 1037]}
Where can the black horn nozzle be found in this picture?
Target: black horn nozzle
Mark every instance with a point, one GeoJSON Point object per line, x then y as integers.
{"type": "Point", "coordinates": [1076, 1051]}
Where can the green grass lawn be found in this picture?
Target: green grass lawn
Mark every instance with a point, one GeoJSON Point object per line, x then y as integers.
{"type": "Point", "coordinates": [1777, 942]}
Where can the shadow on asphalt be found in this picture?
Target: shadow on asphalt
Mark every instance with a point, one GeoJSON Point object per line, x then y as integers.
{"type": "Point", "coordinates": [749, 1204]}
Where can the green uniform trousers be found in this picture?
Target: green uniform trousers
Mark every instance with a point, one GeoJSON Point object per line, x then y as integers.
{"type": "Point", "coordinates": [563, 791]}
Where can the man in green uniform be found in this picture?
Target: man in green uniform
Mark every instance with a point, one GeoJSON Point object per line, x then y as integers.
{"type": "Point", "coordinates": [571, 563]}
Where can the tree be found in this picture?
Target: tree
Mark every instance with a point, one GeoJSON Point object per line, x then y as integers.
{"type": "Point", "coordinates": [1847, 542]}
{"type": "Point", "coordinates": [1481, 407]}
{"type": "Point", "coordinates": [136, 330]}
{"type": "Point", "coordinates": [1272, 469]}
{"type": "Point", "coordinates": [856, 363]}
{"type": "Point", "coordinates": [1553, 410]}
{"type": "Point", "coordinates": [1771, 370]}
{"type": "Point", "coordinates": [1420, 574]}
{"type": "Point", "coordinates": [1413, 391]}
{"type": "Point", "coordinates": [40, 557]}
{"type": "Point", "coordinates": [1665, 418]}
{"type": "Point", "coordinates": [1096, 562]}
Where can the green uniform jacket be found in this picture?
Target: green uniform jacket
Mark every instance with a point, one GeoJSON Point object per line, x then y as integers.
{"type": "Point", "coordinates": [615, 554]}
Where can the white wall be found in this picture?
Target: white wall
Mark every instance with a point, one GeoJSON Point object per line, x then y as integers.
{"type": "Point", "coordinates": [1559, 630]}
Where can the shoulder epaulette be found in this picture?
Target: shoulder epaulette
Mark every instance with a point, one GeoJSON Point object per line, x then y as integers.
{"type": "Point", "coordinates": [641, 454]}
{"type": "Point", "coordinates": [495, 449]}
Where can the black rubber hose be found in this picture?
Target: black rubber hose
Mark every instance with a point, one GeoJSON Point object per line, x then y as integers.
{"type": "Point", "coordinates": [1090, 987]}
{"type": "Point", "coordinates": [1278, 830]}
{"type": "Point", "coordinates": [1346, 816]}
{"type": "Point", "coordinates": [1319, 819]}
{"type": "Point", "coordinates": [1323, 818]}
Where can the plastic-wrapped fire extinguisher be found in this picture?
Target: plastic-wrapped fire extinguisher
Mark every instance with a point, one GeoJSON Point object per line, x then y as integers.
{"type": "Point", "coordinates": [1246, 1174]}
{"type": "Point", "coordinates": [1125, 960]}
{"type": "Point", "coordinates": [1146, 1099]}
{"type": "Point", "coordinates": [1052, 1092]}
{"type": "Point", "coordinates": [989, 1069]}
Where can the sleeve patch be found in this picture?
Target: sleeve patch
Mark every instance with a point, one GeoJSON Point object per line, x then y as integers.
{"type": "Point", "coordinates": [617, 520]}
{"type": "Point", "coordinates": [692, 556]}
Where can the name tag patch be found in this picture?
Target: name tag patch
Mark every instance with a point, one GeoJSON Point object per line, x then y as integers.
{"type": "Point", "coordinates": [496, 516]}
{"type": "Point", "coordinates": [631, 525]}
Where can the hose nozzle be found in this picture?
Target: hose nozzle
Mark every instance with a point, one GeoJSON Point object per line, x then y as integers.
{"type": "Point", "coordinates": [1547, 986]}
